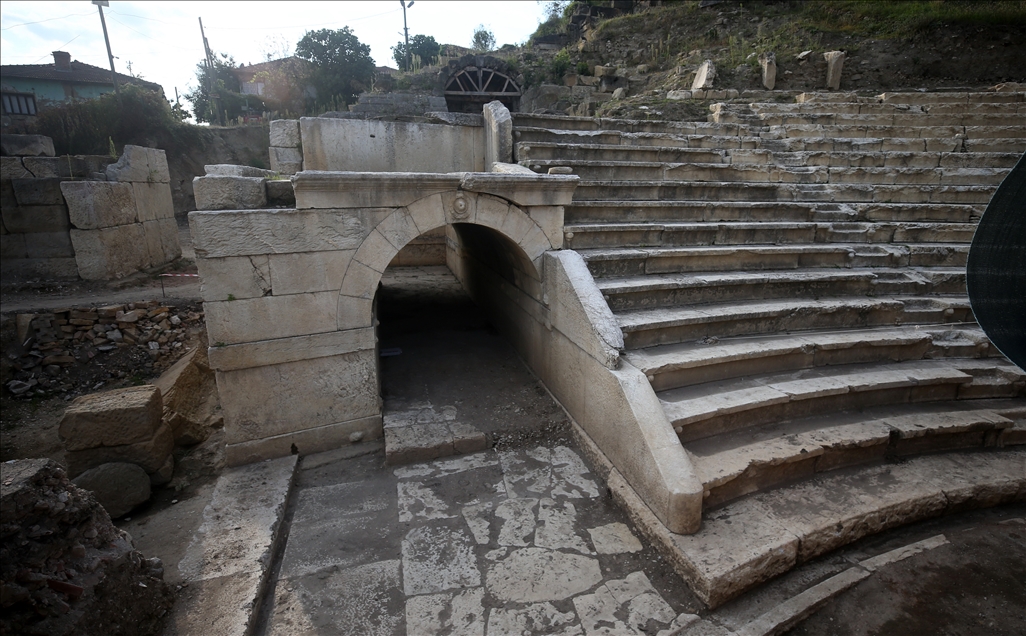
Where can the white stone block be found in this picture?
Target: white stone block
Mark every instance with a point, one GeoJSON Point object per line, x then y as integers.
{"type": "Point", "coordinates": [138, 164]}
{"type": "Point", "coordinates": [238, 276]}
{"type": "Point", "coordinates": [705, 76]}
{"type": "Point", "coordinates": [253, 319]}
{"type": "Point", "coordinates": [153, 201]}
{"type": "Point", "coordinates": [768, 62]}
{"type": "Point", "coordinates": [285, 160]}
{"type": "Point", "coordinates": [285, 133]}
{"type": "Point", "coordinates": [835, 62]}
{"type": "Point", "coordinates": [308, 271]}
{"type": "Point", "coordinates": [48, 245]}
{"type": "Point", "coordinates": [229, 193]}
{"type": "Point", "coordinates": [677, 95]}
{"type": "Point", "coordinates": [232, 170]}
{"type": "Point", "coordinates": [98, 204]}
{"type": "Point", "coordinates": [110, 253]}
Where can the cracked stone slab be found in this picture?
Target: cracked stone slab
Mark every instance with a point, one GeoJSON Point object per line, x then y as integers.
{"type": "Point", "coordinates": [443, 467]}
{"type": "Point", "coordinates": [436, 559]}
{"type": "Point", "coordinates": [453, 614]}
{"type": "Point", "coordinates": [363, 601]}
{"type": "Point", "coordinates": [517, 521]}
{"type": "Point", "coordinates": [418, 501]}
{"type": "Point", "coordinates": [529, 575]}
{"type": "Point", "coordinates": [557, 527]}
{"type": "Point", "coordinates": [537, 618]}
{"type": "Point", "coordinates": [614, 538]}
{"type": "Point", "coordinates": [556, 472]}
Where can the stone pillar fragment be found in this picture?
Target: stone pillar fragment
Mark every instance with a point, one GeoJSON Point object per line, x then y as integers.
{"type": "Point", "coordinates": [498, 134]}
{"type": "Point", "coordinates": [704, 77]}
{"type": "Point", "coordinates": [835, 62]}
{"type": "Point", "coordinates": [768, 62]}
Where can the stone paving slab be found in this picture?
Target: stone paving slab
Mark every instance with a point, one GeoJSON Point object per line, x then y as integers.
{"type": "Point", "coordinates": [511, 542]}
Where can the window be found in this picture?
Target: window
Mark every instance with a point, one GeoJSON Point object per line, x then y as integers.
{"type": "Point", "coordinates": [19, 104]}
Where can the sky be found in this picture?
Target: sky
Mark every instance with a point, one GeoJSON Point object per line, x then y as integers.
{"type": "Point", "coordinates": [162, 43]}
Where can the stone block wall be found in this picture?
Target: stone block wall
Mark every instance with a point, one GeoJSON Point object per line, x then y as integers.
{"type": "Point", "coordinates": [86, 217]}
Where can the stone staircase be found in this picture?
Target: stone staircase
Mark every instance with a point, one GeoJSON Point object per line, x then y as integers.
{"type": "Point", "coordinates": [791, 279]}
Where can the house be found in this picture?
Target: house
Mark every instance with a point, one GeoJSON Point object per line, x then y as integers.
{"type": "Point", "coordinates": [26, 87]}
{"type": "Point", "coordinates": [271, 77]}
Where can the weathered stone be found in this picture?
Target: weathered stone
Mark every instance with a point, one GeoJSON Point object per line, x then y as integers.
{"type": "Point", "coordinates": [280, 193]}
{"type": "Point", "coordinates": [111, 418]}
{"type": "Point", "coordinates": [498, 134]}
{"type": "Point", "coordinates": [38, 191]}
{"type": "Point", "coordinates": [150, 455]}
{"type": "Point", "coordinates": [605, 71]}
{"type": "Point", "coordinates": [704, 77]}
{"type": "Point", "coordinates": [26, 145]}
{"type": "Point", "coordinates": [42, 167]}
{"type": "Point", "coordinates": [119, 487]}
{"type": "Point", "coordinates": [678, 95]}
{"type": "Point", "coordinates": [152, 201]}
{"type": "Point", "coordinates": [12, 168]}
{"type": "Point", "coordinates": [835, 63]}
{"type": "Point", "coordinates": [285, 161]}
{"type": "Point", "coordinates": [139, 164]}
{"type": "Point", "coordinates": [111, 252]}
{"type": "Point", "coordinates": [620, 93]}
{"type": "Point", "coordinates": [93, 205]}
{"type": "Point", "coordinates": [21, 219]}
{"type": "Point", "coordinates": [529, 575]}
{"type": "Point", "coordinates": [614, 538]}
{"type": "Point", "coordinates": [285, 133]}
{"type": "Point", "coordinates": [438, 559]}
{"type": "Point", "coordinates": [768, 62]}
{"type": "Point", "coordinates": [231, 170]}
{"type": "Point", "coordinates": [229, 193]}
{"type": "Point", "coordinates": [189, 393]}
{"type": "Point", "coordinates": [48, 245]}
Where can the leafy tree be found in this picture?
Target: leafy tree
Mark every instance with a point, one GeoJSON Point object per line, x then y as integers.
{"type": "Point", "coordinates": [287, 86]}
{"type": "Point", "coordinates": [423, 46]}
{"type": "Point", "coordinates": [343, 67]}
{"type": "Point", "coordinates": [225, 87]}
{"type": "Point", "coordinates": [483, 40]}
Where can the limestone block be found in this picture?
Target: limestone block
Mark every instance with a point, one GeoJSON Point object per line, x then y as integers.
{"type": "Point", "coordinates": [253, 319]}
{"type": "Point", "coordinates": [620, 93]}
{"type": "Point", "coordinates": [768, 62]}
{"type": "Point", "coordinates": [605, 71]}
{"type": "Point", "coordinates": [231, 170]}
{"type": "Point", "coordinates": [12, 168]}
{"type": "Point", "coordinates": [243, 233]}
{"type": "Point", "coordinates": [308, 271]}
{"type": "Point", "coordinates": [150, 455]}
{"type": "Point", "coordinates": [281, 350]}
{"type": "Point", "coordinates": [285, 133]}
{"type": "Point", "coordinates": [278, 399]}
{"type": "Point", "coordinates": [550, 219]}
{"type": "Point", "coordinates": [704, 77]}
{"type": "Point", "coordinates": [19, 219]}
{"type": "Point", "coordinates": [111, 418]}
{"type": "Point", "coordinates": [286, 160]}
{"type": "Point", "coordinates": [678, 95]}
{"type": "Point", "coordinates": [835, 62]}
{"type": "Point", "coordinates": [280, 193]}
{"type": "Point", "coordinates": [139, 164]}
{"type": "Point", "coordinates": [498, 134]}
{"type": "Point", "coordinates": [229, 193]}
{"type": "Point", "coordinates": [42, 167]}
{"type": "Point", "coordinates": [93, 205]}
{"type": "Point", "coordinates": [169, 239]}
{"type": "Point", "coordinates": [153, 201]}
{"type": "Point", "coordinates": [26, 145]}
{"type": "Point", "coordinates": [119, 487]}
{"type": "Point", "coordinates": [48, 245]}
{"type": "Point", "coordinates": [38, 191]}
{"type": "Point", "coordinates": [237, 276]}
{"type": "Point", "coordinates": [12, 246]}
{"type": "Point", "coordinates": [154, 250]}
{"type": "Point", "coordinates": [110, 253]}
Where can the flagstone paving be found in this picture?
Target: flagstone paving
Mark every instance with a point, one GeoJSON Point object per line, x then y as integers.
{"type": "Point", "coordinates": [511, 541]}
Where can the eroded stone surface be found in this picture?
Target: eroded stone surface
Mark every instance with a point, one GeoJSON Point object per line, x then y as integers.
{"type": "Point", "coordinates": [530, 575]}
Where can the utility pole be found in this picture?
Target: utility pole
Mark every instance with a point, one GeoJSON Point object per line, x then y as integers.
{"type": "Point", "coordinates": [214, 105]}
{"type": "Point", "coordinates": [406, 33]}
{"type": "Point", "coordinates": [100, 4]}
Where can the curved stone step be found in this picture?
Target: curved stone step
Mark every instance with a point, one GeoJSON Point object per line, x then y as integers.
{"type": "Point", "coordinates": [580, 212]}
{"type": "Point", "coordinates": [715, 408]}
{"type": "Point", "coordinates": [678, 365]}
{"type": "Point", "coordinates": [866, 108]}
{"type": "Point", "coordinates": [959, 97]}
{"type": "Point", "coordinates": [668, 325]}
{"type": "Point", "coordinates": [733, 465]}
{"type": "Point", "coordinates": [759, 537]}
{"type": "Point", "coordinates": [780, 192]}
{"type": "Point", "coordinates": [896, 118]}
{"type": "Point", "coordinates": [638, 261]}
{"type": "Point", "coordinates": [663, 290]}
{"type": "Point", "coordinates": [564, 122]}
{"type": "Point", "coordinates": [768, 173]}
{"type": "Point", "coordinates": [541, 151]}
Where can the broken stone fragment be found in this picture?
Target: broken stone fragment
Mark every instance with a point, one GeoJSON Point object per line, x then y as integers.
{"type": "Point", "coordinates": [835, 62]}
{"type": "Point", "coordinates": [768, 62]}
{"type": "Point", "coordinates": [118, 486]}
{"type": "Point", "coordinates": [705, 76]}
{"type": "Point", "coordinates": [112, 418]}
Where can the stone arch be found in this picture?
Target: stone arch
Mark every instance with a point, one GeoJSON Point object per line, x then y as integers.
{"type": "Point", "coordinates": [360, 281]}
{"type": "Point", "coordinates": [475, 80]}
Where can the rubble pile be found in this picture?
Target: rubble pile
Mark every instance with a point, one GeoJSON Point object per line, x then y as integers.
{"type": "Point", "coordinates": [51, 343]}
{"type": "Point", "coordinates": [65, 569]}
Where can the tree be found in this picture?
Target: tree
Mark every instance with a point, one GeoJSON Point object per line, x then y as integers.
{"type": "Point", "coordinates": [226, 89]}
{"type": "Point", "coordinates": [483, 41]}
{"type": "Point", "coordinates": [287, 85]}
{"type": "Point", "coordinates": [343, 67]}
{"type": "Point", "coordinates": [423, 46]}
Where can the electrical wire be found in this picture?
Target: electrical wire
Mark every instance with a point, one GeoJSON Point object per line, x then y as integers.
{"type": "Point", "coordinates": [73, 15]}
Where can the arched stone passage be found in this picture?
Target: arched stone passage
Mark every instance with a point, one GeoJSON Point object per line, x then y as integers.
{"type": "Point", "coordinates": [527, 241]}
{"type": "Point", "coordinates": [475, 80]}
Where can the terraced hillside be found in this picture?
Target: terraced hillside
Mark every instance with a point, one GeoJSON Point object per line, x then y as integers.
{"type": "Point", "coordinates": [791, 279]}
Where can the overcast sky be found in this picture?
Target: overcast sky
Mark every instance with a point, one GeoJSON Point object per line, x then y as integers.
{"type": "Point", "coordinates": [162, 40]}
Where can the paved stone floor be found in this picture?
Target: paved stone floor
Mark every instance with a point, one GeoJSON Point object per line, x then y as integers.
{"type": "Point", "coordinates": [519, 541]}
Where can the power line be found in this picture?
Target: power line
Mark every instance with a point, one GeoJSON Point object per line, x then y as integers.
{"type": "Point", "coordinates": [65, 17]}
{"type": "Point", "coordinates": [58, 48]}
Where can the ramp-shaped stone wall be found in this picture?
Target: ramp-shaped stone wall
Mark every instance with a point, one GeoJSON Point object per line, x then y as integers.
{"type": "Point", "coordinates": [86, 217]}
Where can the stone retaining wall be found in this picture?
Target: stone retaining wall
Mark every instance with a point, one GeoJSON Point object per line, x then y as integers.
{"type": "Point", "coordinates": [86, 217]}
